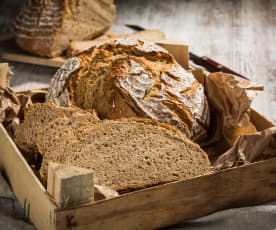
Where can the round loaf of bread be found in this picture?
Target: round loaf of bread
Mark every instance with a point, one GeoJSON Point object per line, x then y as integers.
{"type": "Point", "coordinates": [131, 78]}
{"type": "Point", "coordinates": [46, 27]}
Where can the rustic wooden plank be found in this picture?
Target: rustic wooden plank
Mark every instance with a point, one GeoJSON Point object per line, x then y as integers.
{"type": "Point", "coordinates": [31, 59]}
{"type": "Point", "coordinates": [4, 75]}
{"type": "Point", "coordinates": [26, 186]}
{"type": "Point", "coordinates": [174, 202]}
{"type": "Point", "coordinates": [70, 186]}
{"type": "Point", "coordinates": [150, 208]}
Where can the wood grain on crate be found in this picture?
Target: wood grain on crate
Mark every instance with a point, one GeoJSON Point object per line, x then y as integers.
{"type": "Point", "coordinates": [31, 194]}
{"type": "Point", "coordinates": [177, 201]}
{"type": "Point", "coordinates": [145, 209]}
{"type": "Point", "coordinates": [150, 208]}
{"type": "Point", "coordinates": [174, 202]}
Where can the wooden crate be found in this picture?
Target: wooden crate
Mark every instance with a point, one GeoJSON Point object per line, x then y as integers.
{"type": "Point", "coordinates": [150, 208]}
{"type": "Point", "coordinates": [144, 209]}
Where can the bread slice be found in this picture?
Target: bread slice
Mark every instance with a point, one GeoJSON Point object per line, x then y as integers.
{"type": "Point", "coordinates": [125, 153]}
{"type": "Point", "coordinates": [39, 116]}
{"type": "Point", "coordinates": [131, 78]}
{"type": "Point", "coordinates": [46, 28]}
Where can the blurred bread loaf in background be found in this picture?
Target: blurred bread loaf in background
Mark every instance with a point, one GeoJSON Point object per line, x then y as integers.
{"type": "Point", "coordinates": [46, 27]}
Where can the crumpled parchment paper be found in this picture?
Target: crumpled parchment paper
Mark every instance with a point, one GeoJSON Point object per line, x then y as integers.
{"type": "Point", "coordinates": [232, 96]}
{"type": "Point", "coordinates": [13, 104]}
{"type": "Point", "coordinates": [249, 148]}
{"type": "Point", "coordinates": [9, 105]}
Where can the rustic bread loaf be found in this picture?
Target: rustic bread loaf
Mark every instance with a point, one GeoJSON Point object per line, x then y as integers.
{"type": "Point", "coordinates": [46, 27]}
{"type": "Point", "coordinates": [39, 116]}
{"type": "Point", "coordinates": [131, 78]}
{"type": "Point", "coordinates": [125, 153]}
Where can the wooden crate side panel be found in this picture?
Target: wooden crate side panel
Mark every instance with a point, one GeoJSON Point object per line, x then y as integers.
{"type": "Point", "coordinates": [26, 186]}
{"type": "Point", "coordinates": [174, 202]}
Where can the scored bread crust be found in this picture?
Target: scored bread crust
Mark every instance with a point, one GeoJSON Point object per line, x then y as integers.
{"type": "Point", "coordinates": [129, 78]}
{"type": "Point", "coordinates": [79, 146]}
{"type": "Point", "coordinates": [46, 27]}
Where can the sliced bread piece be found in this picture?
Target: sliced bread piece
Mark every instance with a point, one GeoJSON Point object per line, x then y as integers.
{"type": "Point", "coordinates": [39, 116]}
{"type": "Point", "coordinates": [124, 153]}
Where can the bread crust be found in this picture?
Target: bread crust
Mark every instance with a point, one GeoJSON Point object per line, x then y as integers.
{"type": "Point", "coordinates": [46, 27]}
{"type": "Point", "coordinates": [126, 78]}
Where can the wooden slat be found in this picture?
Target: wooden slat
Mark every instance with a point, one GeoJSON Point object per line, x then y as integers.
{"type": "Point", "coordinates": [4, 75]}
{"type": "Point", "coordinates": [26, 186]}
{"type": "Point", "coordinates": [178, 201]}
{"type": "Point", "coordinates": [70, 186]}
{"type": "Point", "coordinates": [31, 59]}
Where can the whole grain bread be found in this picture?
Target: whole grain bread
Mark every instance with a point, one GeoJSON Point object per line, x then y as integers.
{"type": "Point", "coordinates": [46, 27]}
{"type": "Point", "coordinates": [38, 116]}
{"type": "Point", "coordinates": [131, 78]}
{"type": "Point", "coordinates": [125, 154]}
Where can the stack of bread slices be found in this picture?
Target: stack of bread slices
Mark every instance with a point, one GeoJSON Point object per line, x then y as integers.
{"type": "Point", "coordinates": [125, 109]}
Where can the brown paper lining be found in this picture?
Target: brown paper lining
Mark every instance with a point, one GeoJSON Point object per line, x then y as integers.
{"type": "Point", "coordinates": [230, 98]}
{"type": "Point", "coordinates": [13, 104]}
